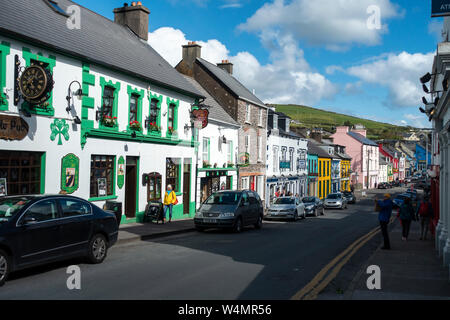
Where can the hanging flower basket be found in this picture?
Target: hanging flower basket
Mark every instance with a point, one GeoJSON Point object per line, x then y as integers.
{"type": "Point", "coordinates": [154, 127]}
{"type": "Point", "coordinates": [109, 121]}
{"type": "Point", "coordinates": [172, 131]}
{"type": "Point", "coordinates": [206, 164]}
{"type": "Point", "coordinates": [230, 165]}
{"type": "Point", "coordinates": [135, 125]}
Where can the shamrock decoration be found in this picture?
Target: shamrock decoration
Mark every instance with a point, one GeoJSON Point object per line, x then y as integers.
{"type": "Point", "coordinates": [59, 128]}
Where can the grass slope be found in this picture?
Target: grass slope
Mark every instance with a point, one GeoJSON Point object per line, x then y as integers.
{"type": "Point", "coordinates": [316, 118]}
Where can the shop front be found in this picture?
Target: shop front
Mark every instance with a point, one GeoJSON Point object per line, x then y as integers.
{"type": "Point", "coordinates": [214, 180]}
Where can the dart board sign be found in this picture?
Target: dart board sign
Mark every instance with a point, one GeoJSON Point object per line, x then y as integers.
{"type": "Point", "coordinates": [70, 171]}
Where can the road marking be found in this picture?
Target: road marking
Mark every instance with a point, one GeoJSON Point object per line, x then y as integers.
{"type": "Point", "coordinates": [317, 284]}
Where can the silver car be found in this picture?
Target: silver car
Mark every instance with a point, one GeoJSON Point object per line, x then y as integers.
{"type": "Point", "coordinates": [287, 208]}
{"type": "Point", "coordinates": [335, 201]}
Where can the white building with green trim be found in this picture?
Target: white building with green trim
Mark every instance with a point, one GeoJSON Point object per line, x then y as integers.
{"type": "Point", "coordinates": [126, 138]}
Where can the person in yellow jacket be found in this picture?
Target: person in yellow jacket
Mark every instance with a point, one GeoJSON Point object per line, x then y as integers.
{"type": "Point", "coordinates": [170, 199]}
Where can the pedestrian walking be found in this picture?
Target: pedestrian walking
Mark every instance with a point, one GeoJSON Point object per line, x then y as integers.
{"type": "Point", "coordinates": [425, 213]}
{"type": "Point", "coordinates": [385, 211]}
{"type": "Point", "coordinates": [406, 215]}
{"type": "Point", "coordinates": [170, 199]}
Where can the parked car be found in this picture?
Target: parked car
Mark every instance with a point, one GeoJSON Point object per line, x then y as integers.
{"type": "Point", "coordinates": [313, 206]}
{"type": "Point", "coordinates": [383, 185]}
{"type": "Point", "coordinates": [400, 199]}
{"type": "Point", "coordinates": [350, 196]}
{"type": "Point", "coordinates": [335, 201]}
{"type": "Point", "coordinates": [36, 230]}
{"type": "Point", "coordinates": [287, 208]}
{"type": "Point", "coordinates": [230, 210]}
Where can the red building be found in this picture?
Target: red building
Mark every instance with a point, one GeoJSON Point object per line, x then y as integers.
{"type": "Point", "coordinates": [391, 156]}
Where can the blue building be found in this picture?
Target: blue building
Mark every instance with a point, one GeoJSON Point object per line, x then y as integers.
{"type": "Point", "coordinates": [421, 156]}
{"type": "Point", "coordinates": [313, 170]}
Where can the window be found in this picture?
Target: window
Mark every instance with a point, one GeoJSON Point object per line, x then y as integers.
{"type": "Point", "coordinates": [154, 187]}
{"type": "Point", "coordinates": [134, 108]}
{"type": "Point", "coordinates": [154, 110]}
{"type": "Point", "coordinates": [22, 171]}
{"type": "Point", "coordinates": [261, 117]}
{"type": "Point", "coordinates": [230, 151]}
{"type": "Point", "coordinates": [275, 159]}
{"type": "Point", "coordinates": [247, 113]}
{"type": "Point", "coordinates": [245, 183]}
{"type": "Point", "coordinates": [173, 173]}
{"type": "Point", "coordinates": [102, 176]}
{"type": "Point", "coordinates": [42, 211]}
{"type": "Point", "coordinates": [260, 149]}
{"type": "Point", "coordinates": [205, 150]}
{"type": "Point", "coordinates": [171, 117]}
{"type": "Point", "coordinates": [291, 158]}
{"type": "Point", "coordinates": [73, 208]}
{"type": "Point", "coordinates": [320, 189]}
{"type": "Point", "coordinates": [247, 144]}
{"type": "Point", "coordinates": [108, 102]}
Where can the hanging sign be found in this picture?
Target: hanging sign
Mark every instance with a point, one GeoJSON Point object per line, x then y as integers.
{"type": "Point", "coordinates": [440, 8]}
{"type": "Point", "coordinates": [121, 173]}
{"type": "Point", "coordinates": [101, 187]}
{"type": "Point", "coordinates": [70, 168]}
{"type": "Point", "coordinates": [13, 128]}
{"type": "Point", "coordinates": [200, 116]}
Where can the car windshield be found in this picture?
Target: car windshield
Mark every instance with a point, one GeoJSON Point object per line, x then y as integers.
{"type": "Point", "coordinates": [10, 206]}
{"type": "Point", "coordinates": [308, 199]}
{"type": "Point", "coordinates": [284, 201]}
{"type": "Point", "coordinates": [334, 196]}
{"type": "Point", "coordinates": [224, 198]}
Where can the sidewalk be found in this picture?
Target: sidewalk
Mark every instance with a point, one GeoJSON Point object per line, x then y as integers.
{"type": "Point", "coordinates": [410, 271]}
{"type": "Point", "coordinates": [144, 231]}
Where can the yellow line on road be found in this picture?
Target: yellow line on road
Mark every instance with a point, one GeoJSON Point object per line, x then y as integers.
{"type": "Point", "coordinates": [314, 287]}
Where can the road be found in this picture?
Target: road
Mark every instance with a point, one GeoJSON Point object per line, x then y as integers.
{"type": "Point", "coordinates": [273, 263]}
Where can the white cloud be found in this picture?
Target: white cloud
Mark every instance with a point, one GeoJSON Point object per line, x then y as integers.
{"type": "Point", "coordinates": [335, 24]}
{"type": "Point", "coordinates": [399, 73]}
{"type": "Point", "coordinates": [416, 120]}
{"type": "Point", "coordinates": [286, 79]}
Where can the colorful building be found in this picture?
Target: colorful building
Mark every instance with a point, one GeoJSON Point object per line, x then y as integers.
{"type": "Point", "coordinates": [313, 169]}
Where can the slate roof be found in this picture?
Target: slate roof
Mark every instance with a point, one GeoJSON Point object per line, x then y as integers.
{"type": "Point", "coordinates": [362, 139]}
{"type": "Point", "coordinates": [216, 112]}
{"type": "Point", "coordinates": [313, 148]}
{"type": "Point", "coordinates": [100, 41]}
{"type": "Point", "coordinates": [231, 83]}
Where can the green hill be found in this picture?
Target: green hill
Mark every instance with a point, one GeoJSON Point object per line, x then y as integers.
{"type": "Point", "coordinates": [327, 120]}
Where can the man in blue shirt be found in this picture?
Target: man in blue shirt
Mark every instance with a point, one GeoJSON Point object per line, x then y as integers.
{"type": "Point", "coordinates": [385, 207]}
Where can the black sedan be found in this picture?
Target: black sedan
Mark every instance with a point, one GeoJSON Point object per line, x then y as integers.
{"type": "Point", "coordinates": [36, 230]}
{"type": "Point", "coordinates": [313, 206]}
{"type": "Point", "coordinates": [350, 196]}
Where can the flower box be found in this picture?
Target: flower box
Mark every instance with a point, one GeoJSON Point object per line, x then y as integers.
{"type": "Point", "coordinates": [135, 125]}
{"type": "Point", "coordinates": [109, 121]}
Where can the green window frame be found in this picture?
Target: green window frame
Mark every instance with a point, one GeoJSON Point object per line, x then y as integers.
{"type": "Point", "coordinates": [106, 163]}
{"type": "Point", "coordinates": [172, 115]}
{"type": "Point", "coordinates": [4, 52]}
{"type": "Point", "coordinates": [116, 89]}
{"type": "Point", "coordinates": [155, 101]}
{"type": "Point", "coordinates": [173, 173]}
{"type": "Point", "coordinates": [138, 95]}
{"type": "Point", "coordinates": [50, 62]}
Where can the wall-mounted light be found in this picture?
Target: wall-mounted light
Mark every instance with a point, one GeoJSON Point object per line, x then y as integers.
{"type": "Point", "coordinates": [425, 88]}
{"type": "Point", "coordinates": [424, 100]}
{"type": "Point", "coordinates": [426, 78]}
{"type": "Point", "coordinates": [77, 120]}
{"type": "Point", "coordinates": [78, 94]}
{"type": "Point", "coordinates": [422, 110]}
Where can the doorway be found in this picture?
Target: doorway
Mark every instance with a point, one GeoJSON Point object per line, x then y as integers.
{"type": "Point", "coordinates": [187, 186]}
{"type": "Point", "coordinates": [131, 178]}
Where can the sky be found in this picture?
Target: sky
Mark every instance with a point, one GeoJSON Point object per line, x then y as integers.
{"type": "Point", "coordinates": [357, 57]}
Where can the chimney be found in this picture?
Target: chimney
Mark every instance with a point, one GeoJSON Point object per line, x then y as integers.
{"type": "Point", "coordinates": [317, 136]}
{"type": "Point", "coordinates": [226, 65]}
{"type": "Point", "coordinates": [191, 52]}
{"type": "Point", "coordinates": [134, 17]}
{"type": "Point", "coordinates": [362, 132]}
{"type": "Point", "coordinates": [342, 129]}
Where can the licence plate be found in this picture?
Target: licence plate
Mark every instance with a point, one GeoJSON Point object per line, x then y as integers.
{"type": "Point", "coordinates": [210, 220]}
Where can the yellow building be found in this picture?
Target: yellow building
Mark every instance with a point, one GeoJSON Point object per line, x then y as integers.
{"type": "Point", "coordinates": [324, 175]}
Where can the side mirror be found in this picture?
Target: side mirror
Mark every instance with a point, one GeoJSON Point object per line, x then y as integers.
{"type": "Point", "coordinates": [28, 220]}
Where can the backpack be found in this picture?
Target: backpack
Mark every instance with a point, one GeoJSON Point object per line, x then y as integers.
{"type": "Point", "coordinates": [424, 210]}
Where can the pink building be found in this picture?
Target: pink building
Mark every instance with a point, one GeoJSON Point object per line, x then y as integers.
{"type": "Point", "coordinates": [364, 153]}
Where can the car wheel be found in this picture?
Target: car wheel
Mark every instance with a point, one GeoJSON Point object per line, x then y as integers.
{"type": "Point", "coordinates": [98, 248]}
{"type": "Point", "coordinates": [238, 225]}
{"type": "Point", "coordinates": [5, 266]}
{"type": "Point", "coordinates": [259, 223]}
